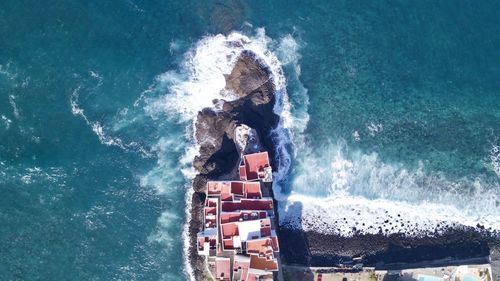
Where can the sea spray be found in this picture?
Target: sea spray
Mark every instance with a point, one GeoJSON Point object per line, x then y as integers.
{"type": "Point", "coordinates": [344, 192]}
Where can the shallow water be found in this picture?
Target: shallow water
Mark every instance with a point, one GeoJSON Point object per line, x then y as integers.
{"type": "Point", "coordinates": [392, 107]}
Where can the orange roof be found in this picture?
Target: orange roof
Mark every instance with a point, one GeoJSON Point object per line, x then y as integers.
{"type": "Point", "coordinates": [254, 165]}
{"type": "Point", "coordinates": [263, 263]}
{"type": "Point", "coordinates": [260, 247]}
{"type": "Point", "coordinates": [222, 268]}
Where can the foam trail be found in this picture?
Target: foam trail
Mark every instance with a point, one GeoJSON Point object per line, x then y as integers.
{"type": "Point", "coordinates": [6, 122]}
{"type": "Point", "coordinates": [98, 129]}
{"type": "Point", "coordinates": [494, 158]}
{"type": "Point", "coordinates": [15, 109]}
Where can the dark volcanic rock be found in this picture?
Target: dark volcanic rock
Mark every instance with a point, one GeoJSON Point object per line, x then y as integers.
{"type": "Point", "coordinates": [390, 251]}
{"type": "Point", "coordinates": [211, 127]}
{"type": "Point", "coordinates": [249, 76]}
{"type": "Point", "coordinates": [250, 80]}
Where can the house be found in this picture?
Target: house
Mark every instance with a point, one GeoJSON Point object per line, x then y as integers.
{"type": "Point", "coordinates": [256, 166]}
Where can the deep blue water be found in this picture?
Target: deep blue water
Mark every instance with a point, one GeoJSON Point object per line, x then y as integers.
{"type": "Point", "coordinates": [92, 171]}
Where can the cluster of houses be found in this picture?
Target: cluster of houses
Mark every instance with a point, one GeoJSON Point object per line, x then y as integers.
{"type": "Point", "coordinates": [238, 237]}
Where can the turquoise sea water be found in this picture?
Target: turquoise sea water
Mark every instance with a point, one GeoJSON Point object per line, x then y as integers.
{"type": "Point", "coordinates": [396, 101]}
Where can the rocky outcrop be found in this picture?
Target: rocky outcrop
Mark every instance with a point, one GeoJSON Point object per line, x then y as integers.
{"type": "Point", "coordinates": [250, 77]}
{"type": "Point", "coordinates": [250, 80]}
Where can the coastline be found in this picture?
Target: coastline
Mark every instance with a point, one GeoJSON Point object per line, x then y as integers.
{"type": "Point", "coordinates": [386, 251]}
{"type": "Point", "coordinates": [251, 81]}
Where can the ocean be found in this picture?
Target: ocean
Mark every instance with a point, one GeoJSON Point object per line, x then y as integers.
{"type": "Point", "coordinates": [390, 113]}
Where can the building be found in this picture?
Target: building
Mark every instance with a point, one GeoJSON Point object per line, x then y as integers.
{"type": "Point", "coordinates": [256, 167]}
{"type": "Point", "coordinates": [238, 238]}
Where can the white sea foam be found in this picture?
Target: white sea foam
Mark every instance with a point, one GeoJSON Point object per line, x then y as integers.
{"type": "Point", "coordinates": [99, 130]}
{"type": "Point", "coordinates": [494, 159]}
{"type": "Point", "coordinates": [201, 78]}
{"type": "Point", "coordinates": [97, 76]}
{"type": "Point", "coordinates": [374, 129]}
{"type": "Point", "coordinates": [15, 109]}
{"type": "Point", "coordinates": [292, 108]}
{"type": "Point", "coordinates": [6, 122]}
{"type": "Point", "coordinates": [7, 70]}
{"type": "Point", "coordinates": [339, 191]}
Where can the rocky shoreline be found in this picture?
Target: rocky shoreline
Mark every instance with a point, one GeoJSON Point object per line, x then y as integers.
{"type": "Point", "coordinates": [387, 251]}
{"type": "Point", "coordinates": [250, 81]}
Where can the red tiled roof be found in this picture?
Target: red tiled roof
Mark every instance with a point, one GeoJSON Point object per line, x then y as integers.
{"type": "Point", "coordinates": [252, 190]}
{"type": "Point", "coordinates": [254, 165]}
{"type": "Point", "coordinates": [218, 187]}
{"type": "Point", "coordinates": [265, 228]}
{"type": "Point", "coordinates": [228, 244]}
{"type": "Point", "coordinates": [210, 211]}
{"type": "Point", "coordinates": [275, 243]}
{"type": "Point", "coordinates": [252, 277]}
{"type": "Point", "coordinates": [248, 204]}
{"type": "Point", "coordinates": [261, 247]}
{"type": "Point", "coordinates": [237, 187]}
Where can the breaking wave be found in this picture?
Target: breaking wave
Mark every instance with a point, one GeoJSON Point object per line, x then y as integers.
{"type": "Point", "coordinates": [342, 192]}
